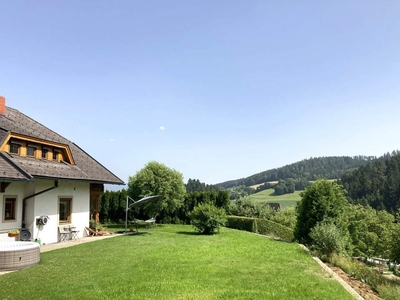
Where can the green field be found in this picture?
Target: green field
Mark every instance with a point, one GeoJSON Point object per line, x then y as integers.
{"type": "Point", "coordinates": [174, 262]}
{"type": "Point", "coordinates": [269, 196]}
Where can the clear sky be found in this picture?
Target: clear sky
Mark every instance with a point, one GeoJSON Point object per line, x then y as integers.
{"type": "Point", "coordinates": [217, 90]}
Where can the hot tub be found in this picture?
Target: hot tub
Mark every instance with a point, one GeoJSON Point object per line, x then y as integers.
{"type": "Point", "coordinates": [18, 255]}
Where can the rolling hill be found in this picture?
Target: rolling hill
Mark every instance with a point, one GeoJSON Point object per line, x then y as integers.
{"type": "Point", "coordinates": [331, 167]}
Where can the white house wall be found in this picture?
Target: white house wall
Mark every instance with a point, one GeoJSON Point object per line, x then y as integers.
{"type": "Point", "coordinates": [30, 189]}
{"type": "Point", "coordinates": [47, 204]}
{"type": "Point", "coordinates": [14, 189]}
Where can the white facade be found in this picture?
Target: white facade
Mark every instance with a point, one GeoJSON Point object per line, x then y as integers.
{"type": "Point", "coordinates": [46, 204]}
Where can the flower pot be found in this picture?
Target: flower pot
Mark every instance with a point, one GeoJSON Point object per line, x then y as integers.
{"type": "Point", "coordinates": [13, 234]}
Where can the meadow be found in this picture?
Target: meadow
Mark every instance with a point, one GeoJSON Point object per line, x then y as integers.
{"type": "Point", "coordinates": [174, 262]}
{"type": "Point", "coordinates": [269, 196]}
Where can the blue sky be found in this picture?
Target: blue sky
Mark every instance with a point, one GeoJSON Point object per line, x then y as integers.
{"type": "Point", "coordinates": [217, 90]}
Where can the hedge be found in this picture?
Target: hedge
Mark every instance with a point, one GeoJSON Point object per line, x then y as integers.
{"type": "Point", "coordinates": [261, 226]}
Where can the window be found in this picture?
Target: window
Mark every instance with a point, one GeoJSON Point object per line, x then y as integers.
{"type": "Point", "coordinates": [30, 151]}
{"type": "Point", "coordinates": [55, 153]}
{"type": "Point", "coordinates": [9, 208]}
{"type": "Point", "coordinates": [65, 210]}
{"type": "Point", "coordinates": [14, 148]}
{"type": "Point", "coordinates": [44, 153]}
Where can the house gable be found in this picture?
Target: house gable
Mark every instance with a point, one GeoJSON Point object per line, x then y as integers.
{"type": "Point", "coordinates": [72, 163]}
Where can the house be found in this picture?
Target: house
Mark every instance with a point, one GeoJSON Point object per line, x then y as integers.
{"type": "Point", "coordinates": [276, 206]}
{"type": "Point", "coordinates": [46, 181]}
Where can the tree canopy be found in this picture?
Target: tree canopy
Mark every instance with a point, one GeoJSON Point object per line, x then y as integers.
{"type": "Point", "coordinates": [194, 185]}
{"type": "Point", "coordinates": [322, 201]}
{"type": "Point", "coordinates": [157, 179]}
{"type": "Point", "coordinates": [376, 184]}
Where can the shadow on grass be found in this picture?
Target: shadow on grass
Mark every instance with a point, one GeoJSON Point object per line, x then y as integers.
{"type": "Point", "coordinates": [188, 233]}
{"type": "Point", "coordinates": [134, 233]}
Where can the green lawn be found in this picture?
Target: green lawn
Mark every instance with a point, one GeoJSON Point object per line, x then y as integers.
{"type": "Point", "coordinates": [174, 262]}
{"type": "Point", "coordinates": [269, 196]}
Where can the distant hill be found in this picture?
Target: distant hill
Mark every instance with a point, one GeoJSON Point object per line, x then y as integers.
{"type": "Point", "coordinates": [376, 184]}
{"type": "Point", "coordinates": [331, 167]}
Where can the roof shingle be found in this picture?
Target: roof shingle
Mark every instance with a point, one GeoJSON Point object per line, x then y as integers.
{"type": "Point", "coordinates": [86, 167]}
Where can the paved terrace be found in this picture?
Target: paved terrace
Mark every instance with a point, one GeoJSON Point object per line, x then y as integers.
{"type": "Point", "coordinates": [86, 239]}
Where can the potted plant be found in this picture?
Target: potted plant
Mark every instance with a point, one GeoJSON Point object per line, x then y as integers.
{"type": "Point", "coordinates": [13, 233]}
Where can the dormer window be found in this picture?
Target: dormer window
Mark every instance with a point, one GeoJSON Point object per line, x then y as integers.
{"type": "Point", "coordinates": [31, 150]}
{"type": "Point", "coordinates": [45, 152]}
{"type": "Point", "coordinates": [38, 149]}
{"type": "Point", "coordinates": [56, 152]}
{"type": "Point", "coordinates": [14, 148]}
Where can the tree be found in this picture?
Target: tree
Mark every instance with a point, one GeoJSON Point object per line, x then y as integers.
{"type": "Point", "coordinates": [395, 244]}
{"type": "Point", "coordinates": [112, 206]}
{"type": "Point", "coordinates": [321, 201]}
{"type": "Point", "coordinates": [157, 179]}
{"type": "Point", "coordinates": [223, 200]}
{"type": "Point", "coordinates": [370, 230]}
{"type": "Point", "coordinates": [194, 185]}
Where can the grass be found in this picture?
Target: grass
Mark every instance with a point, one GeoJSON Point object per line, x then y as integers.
{"type": "Point", "coordinates": [174, 262]}
{"type": "Point", "coordinates": [269, 196]}
{"type": "Point", "coordinates": [286, 199]}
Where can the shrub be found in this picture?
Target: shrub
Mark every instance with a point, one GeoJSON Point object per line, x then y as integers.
{"type": "Point", "coordinates": [206, 218]}
{"type": "Point", "coordinates": [267, 227]}
{"type": "Point", "coordinates": [327, 239]}
{"type": "Point", "coordinates": [261, 226]}
{"type": "Point", "coordinates": [247, 208]}
{"type": "Point", "coordinates": [93, 224]}
{"type": "Point", "coordinates": [241, 223]}
{"type": "Point", "coordinates": [285, 217]}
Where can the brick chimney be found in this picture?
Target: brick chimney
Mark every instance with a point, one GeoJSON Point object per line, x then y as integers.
{"type": "Point", "coordinates": [2, 105]}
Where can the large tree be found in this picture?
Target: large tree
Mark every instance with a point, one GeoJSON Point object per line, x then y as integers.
{"type": "Point", "coordinates": [370, 231]}
{"type": "Point", "coordinates": [323, 201]}
{"type": "Point", "coordinates": [157, 179]}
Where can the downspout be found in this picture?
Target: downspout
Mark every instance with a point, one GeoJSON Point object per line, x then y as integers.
{"type": "Point", "coordinates": [56, 182]}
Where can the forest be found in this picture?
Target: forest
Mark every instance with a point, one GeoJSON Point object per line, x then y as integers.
{"type": "Point", "coordinates": [310, 169]}
{"type": "Point", "coordinates": [376, 184]}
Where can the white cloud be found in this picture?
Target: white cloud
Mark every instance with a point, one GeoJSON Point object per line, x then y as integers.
{"type": "Point", "coordinates": [162, 128]}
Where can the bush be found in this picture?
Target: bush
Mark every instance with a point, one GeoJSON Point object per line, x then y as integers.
{"type": "Point", "coordinates": [327, 239]}
{"type": "Point", "coordinates": [247, 208]}
{"type": "Point", "coordinates": [267, 227]}
{"type": "Point", "coordinates": [285, 217]}
{"type": "Point", "coordinates": [206, 218]}
{"type": "Point", "coordinates": [93, 224]}
{"type": "Point", "coordinates": [261, 226]}
{"type": "Point", "coordinates": [241, 223]}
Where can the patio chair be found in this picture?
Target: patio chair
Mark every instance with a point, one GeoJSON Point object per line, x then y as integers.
{"type": "Point", "coordinates": [65, 233]}
{"type": "Point", "coordinates": [74, 232]}
{"type": "Point", "coordinates": [90, 231]}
